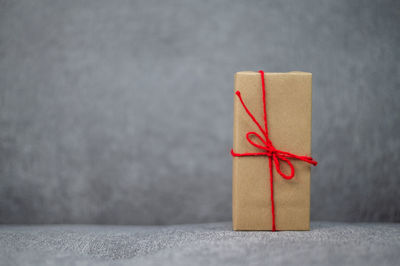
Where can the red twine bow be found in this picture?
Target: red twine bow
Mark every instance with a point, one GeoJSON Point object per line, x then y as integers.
{"type": "Point", "coordinates": [274, 155]}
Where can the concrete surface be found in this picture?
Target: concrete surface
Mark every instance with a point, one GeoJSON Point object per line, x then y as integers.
{"type": "Point", "coordinates": [200, 244]}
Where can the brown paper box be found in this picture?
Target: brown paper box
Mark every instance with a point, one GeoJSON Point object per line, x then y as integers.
{"type": "Point", "coordinates": [288, 97]}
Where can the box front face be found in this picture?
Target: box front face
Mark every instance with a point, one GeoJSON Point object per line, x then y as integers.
{"type": "Point", "coordinates": [288, 98]}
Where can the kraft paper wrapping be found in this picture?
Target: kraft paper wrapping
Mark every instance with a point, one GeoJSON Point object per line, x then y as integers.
{"type": "Point", "coordinates": [289, 98]}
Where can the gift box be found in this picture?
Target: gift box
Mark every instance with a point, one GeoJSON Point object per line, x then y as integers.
{"type": "Point", "coordinates": [271, 151]}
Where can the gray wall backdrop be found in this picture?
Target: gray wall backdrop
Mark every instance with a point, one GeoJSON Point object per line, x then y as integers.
{"type": "Point", "coordinates": [120, 112]}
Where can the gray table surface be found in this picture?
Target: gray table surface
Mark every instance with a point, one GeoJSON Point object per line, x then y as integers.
{"type": "Point", "coordinates": [199, 244]}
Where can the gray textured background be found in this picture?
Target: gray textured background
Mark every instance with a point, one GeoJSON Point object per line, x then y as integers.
{"type": "Point", "coordinates": [121, 111]}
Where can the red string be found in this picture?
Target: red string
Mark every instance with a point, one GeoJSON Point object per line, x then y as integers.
{"type": "Point", "coordinates": [274, 155]}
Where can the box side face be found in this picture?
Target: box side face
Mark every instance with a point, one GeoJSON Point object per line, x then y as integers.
{"type": "Point", "coordinates": [288, 97]}
{"type": "Point", "coordinates": [234, 164]}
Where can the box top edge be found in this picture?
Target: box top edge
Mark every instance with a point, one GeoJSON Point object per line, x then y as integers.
{"type": "Point", "coordinates": [273, 73]}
